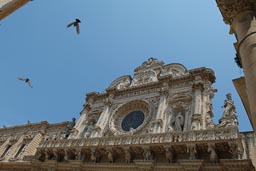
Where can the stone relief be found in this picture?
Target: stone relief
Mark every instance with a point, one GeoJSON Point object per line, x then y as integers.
{"type": "Point", "coordinates": [144, 77]}
{"type": "Point", "coordinates": [121, 83]}
{"type": "Point", "coordinates": [152, 63]}
{"type": "Point", "coordinates": [88, 129]}
{"type": "Point", "coordinates": [173, 70]}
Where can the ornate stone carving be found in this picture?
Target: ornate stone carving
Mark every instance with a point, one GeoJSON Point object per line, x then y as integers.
{"type": "Point", "coordinates": [169, 154]}
{"type": "Point", "coordinates": [121, 112]}
{"type": "Point", "coordinates": [70, 127]}
{"type": "Point", "coordinates": [213, 155]}
{"type": "Point", "coordinates": [173, 70]}
{"type": "Point", "coordinates": [229, 117]}
{"type": "Point", "coordinates": [110, 155]}
{"type": "Point", "coordinates": [121, 83]}
{"type": "Point", "coordinates": [235, 150]}
{"type": "Point", "coordinates": [127, 155]}
{"type": "Point", "coordinates": [231, 8]}
{"type": "Point", "coordinates": [191, 149]}
{"type": "Point", "coordinates": [147, 154]}
{"type": "Point", "coordinates": [144, 77]}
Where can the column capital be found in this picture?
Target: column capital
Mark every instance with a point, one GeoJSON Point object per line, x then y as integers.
{"type": "Point", "coordinates": [231, 8]}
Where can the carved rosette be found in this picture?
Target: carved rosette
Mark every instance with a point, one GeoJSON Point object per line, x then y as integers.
{"type": "Point", "coordinates": [231, 8]}
{"type": "Point", "coordinates": [121, 112]}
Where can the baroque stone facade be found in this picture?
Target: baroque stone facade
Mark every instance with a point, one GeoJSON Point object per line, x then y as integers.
{"type": "Point", "coordinates": [159, 119]}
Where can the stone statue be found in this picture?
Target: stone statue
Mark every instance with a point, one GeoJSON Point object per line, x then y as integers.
{"type": "Point", "coordinates": [178, 122]}
{"type": "Point", "coordinates": [229, 107]}
{"type": "Point", "coordinates": [70, 127]}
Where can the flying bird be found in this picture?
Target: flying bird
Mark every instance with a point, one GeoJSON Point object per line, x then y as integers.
{"type": "Point", "coordinates": [26, 81]}
{"type": "Point", "coordinates": [75, 24]}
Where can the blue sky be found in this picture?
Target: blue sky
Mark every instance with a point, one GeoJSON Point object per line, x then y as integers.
{"type": "Point", "coordinates": [116, 36]}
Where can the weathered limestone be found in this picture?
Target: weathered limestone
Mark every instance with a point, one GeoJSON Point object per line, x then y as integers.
{"type": "Point", "coordinates": [240, 15]}
{"type": "Point", "coordinates": [160, 119]}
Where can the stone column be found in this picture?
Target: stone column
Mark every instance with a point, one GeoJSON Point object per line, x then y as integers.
{"type": "Point", "coordinates": [240, 15]}
{"type": "Point", "coordinates": [197, 88]}
{"type": "Point", "coordinates": [160, 116]}
{"type": "Point", "coordinates": [104, 117]}
{"type": "Point", "coordinates": [79, 127]}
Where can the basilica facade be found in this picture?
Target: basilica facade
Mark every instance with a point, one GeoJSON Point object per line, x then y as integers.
{"type": "Point", "coordinates": [159, 119]}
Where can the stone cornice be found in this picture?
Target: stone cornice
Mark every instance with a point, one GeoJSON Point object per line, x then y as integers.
{"type": "Point", "coordinates": [199, 136]}
{"type": "Point", "coordinates": [205, 73]}
{"type": "Point", "coordinates": [231, 8]}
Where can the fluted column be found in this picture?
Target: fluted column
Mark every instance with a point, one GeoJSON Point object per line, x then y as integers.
{"type": "Point", "coordinates": [160, 116]}
{"type": "Point", "coordinates": [79, 127]}
{"type": "Point", "coordinates": [240, 15]}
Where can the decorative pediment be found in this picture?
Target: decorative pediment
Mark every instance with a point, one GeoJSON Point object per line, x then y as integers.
{"type": "Point", "coordinates": [173, 70]}
{"type": "Point", "coordinates": [121, 82]}
{"type": "Point", "coordinates": [151, 63]}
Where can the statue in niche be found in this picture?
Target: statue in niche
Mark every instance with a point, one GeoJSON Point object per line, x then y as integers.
{"type": "Point", "coordinates": [229, 107]}
{"type": "Point", "coordinates": [177, 122]}
{"type": "Point", "coordinates": [69, 127]}
{"type": "Point", "coordinates": [89, 128]}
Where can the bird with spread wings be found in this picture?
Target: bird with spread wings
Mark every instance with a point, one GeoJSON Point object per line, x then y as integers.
{"type": "Point", "coordinates": [26, 81]}
{"type": "Point", "coordinates": [75, 24]}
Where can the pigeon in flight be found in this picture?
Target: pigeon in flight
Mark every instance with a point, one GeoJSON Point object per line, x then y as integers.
{"type": "Point", "coordinates": [75, 24]}
{"type": "Point", "coordinates": [26, 81]}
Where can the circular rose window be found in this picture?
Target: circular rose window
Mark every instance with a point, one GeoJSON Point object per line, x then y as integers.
{"type": "Point", "coordinates": [132, 120]}
{"type": "Point", "coordinates": [132, 116]}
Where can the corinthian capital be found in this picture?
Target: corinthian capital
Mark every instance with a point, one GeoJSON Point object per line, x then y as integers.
{"type": "Point", "coordinates": [231, 8]}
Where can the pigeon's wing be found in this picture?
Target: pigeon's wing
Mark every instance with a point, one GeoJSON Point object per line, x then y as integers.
{"type": "Point", "coordinates": [22, 79]}
{"type": "Point", "coordinates": [70, 24]}
{"type": "Point", "coordinates": [29, 84]}
{"type": "Point", "coordinates": [77, 29]}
